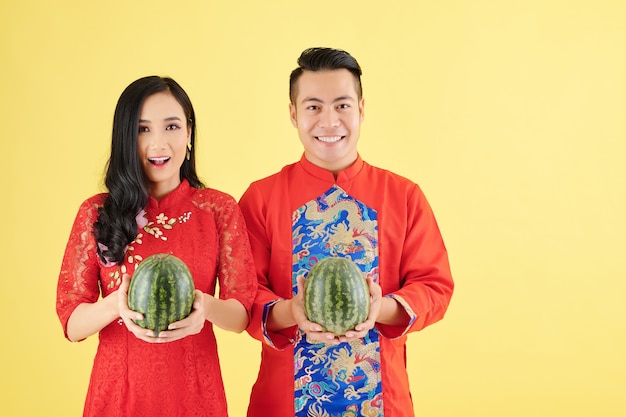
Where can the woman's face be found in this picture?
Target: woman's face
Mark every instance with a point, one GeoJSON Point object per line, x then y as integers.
{"type": "Point", "coordinates": [162, 142]}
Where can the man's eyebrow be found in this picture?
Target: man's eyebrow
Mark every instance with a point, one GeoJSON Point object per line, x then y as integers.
{"type": "Point", "coordinates": [317, 100]}
{"type": "Point", "coordinates": [314, 99]}
{"type": "Point", "coordinates": [342, 98]}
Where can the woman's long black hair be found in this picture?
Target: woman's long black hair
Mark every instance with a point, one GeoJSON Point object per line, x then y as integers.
{"type": "Point", "coordinates": [125, 180]}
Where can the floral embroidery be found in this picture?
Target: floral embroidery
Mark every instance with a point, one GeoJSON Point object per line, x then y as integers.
{"type": "Point", "coordinates": [134, 259]}
{"type": "Point", "coordinates": [162, 222]}
{"type": "Point", "coordinates": [116, 276]}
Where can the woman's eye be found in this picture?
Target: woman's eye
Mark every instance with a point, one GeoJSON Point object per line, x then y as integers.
{"type": "Point", "coordinates": [172, 127]}
{"type": "Point", "coordinates": [143, 129]}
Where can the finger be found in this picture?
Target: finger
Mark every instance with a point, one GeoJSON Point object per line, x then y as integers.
{"type": "Point", "coordinates": [177, 333]}
{"type": "Point", "coordinates": [354, 334]}
{"type": "Point", "coordinates": [316, 328]}
{"type": "Point", "coordinates": [130, 315]}
{"type": "Point", "coordinates": [375, 289]}
{"type": "Point", "coordinates": [300, 285]}
{"type": "Point", "coordinates": [327, 338]}
{"type": "Point", "coordinates": [180, 324]}
{"type": "Point", "coordinates": [122, 297]}
{"type": "Point", "coordinates": [305, 324]}
{"type": "Point", "coordinates": [151, 339]}
{"type": "Point", "coordinates": [167, 335]}
{"type": "Point", "coordinates": [198, 299]}
{"type": "Point", "coordinates": [367, 324]}
{"type": "Point", "coordinates": [124, 284]}
{"type": "Point", "coordinates": [145, 335]}
{"type": "Point", "coordinates": [330, 337]}
{"type": "Point", "coordinates": [133, 327]}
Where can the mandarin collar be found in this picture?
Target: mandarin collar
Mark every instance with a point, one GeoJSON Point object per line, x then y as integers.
{"type": "Point", "coordinates": [344, 175]}
{"type": "Point", "coordinates": [172, 198]}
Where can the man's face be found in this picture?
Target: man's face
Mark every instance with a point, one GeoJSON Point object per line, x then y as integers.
{"type": "Point", "coordinates": [328, 114]}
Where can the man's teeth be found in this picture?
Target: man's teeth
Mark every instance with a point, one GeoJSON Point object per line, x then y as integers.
{"type": "Point", "coordinates": [329, 139]}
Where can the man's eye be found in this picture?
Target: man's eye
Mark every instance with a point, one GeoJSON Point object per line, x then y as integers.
{"type": "Point", "coordinates": [343, 106]}
{"type": "Point", "coordinates": [313, 107]}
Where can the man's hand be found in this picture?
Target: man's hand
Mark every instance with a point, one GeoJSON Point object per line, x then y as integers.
{"type": "Point", "coordinates": [314, 332]}
{"type": "Point", "coordinates": [361, 329]}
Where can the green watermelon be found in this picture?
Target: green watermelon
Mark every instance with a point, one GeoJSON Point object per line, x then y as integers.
{"type": "Point", "coordinates": [162, 290]}
{"type": "Point", "coordinates": [336, 295]}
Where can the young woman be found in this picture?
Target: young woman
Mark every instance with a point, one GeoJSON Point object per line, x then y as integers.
{"type": "Point", "coordinates": [155, 204]}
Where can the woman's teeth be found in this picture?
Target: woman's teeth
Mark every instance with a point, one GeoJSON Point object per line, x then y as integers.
{"type": "Point", "coordinates": [159, 161]}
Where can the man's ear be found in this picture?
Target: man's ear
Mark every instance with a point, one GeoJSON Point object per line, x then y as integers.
{"type": "Point", "coordinates": [293, 115]}
{"type": "Point", "coordinates": [362, 109]}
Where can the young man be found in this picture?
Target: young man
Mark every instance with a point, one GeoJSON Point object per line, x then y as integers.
{"type": "Point", "coordinates": [332, 203]}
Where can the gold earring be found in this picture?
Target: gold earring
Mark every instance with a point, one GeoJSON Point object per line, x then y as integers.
{"type": "Point", "coordinates": [188, 151]}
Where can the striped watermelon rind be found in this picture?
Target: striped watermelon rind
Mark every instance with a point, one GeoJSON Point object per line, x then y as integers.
{"type": "Point", "coordinates": [336, 295]}
{"type": "Point", "coordinates": [161, 289]}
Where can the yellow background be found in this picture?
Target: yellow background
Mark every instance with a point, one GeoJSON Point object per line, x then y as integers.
{"type": "Point", "coordinates": [509, 114]}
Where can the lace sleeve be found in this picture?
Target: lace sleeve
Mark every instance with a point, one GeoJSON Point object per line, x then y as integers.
{"type": "Point", "coordinates": [78, 279]}
{"type": "Point", "coordinates": [236, 273]}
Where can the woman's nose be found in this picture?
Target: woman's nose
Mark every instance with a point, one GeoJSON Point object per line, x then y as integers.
{"type": "Point", "coordinates": [157, 140]}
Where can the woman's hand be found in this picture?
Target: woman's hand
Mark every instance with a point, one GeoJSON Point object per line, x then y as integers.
{"type": "Point", "coordinates": [190, 325]}
{"type": "Point", "coordinates": [127, 315]}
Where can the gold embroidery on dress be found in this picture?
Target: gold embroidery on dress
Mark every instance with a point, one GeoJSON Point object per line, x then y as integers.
{"type": "Point", "coordinates": [341, 239]}
{"type": "Point", "coordinates": [132, 259]}
{"type": "Point", "coordinates": [162, 222]}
